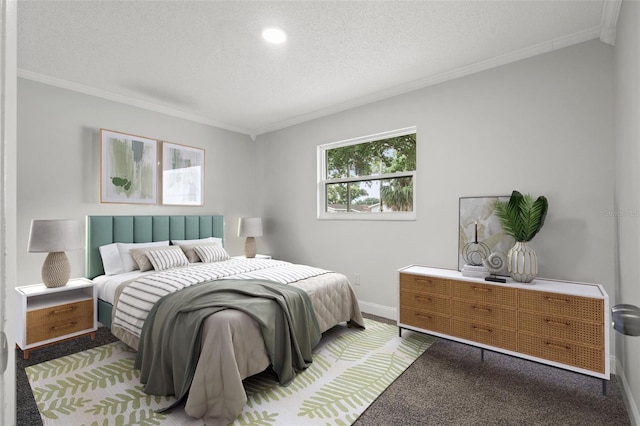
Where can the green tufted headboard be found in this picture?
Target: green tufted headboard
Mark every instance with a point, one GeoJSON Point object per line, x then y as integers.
{"type": "Point", "coordinates": [103, 230]}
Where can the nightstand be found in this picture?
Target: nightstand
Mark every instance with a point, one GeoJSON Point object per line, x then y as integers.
{"type": "Point", "coordinates": [50, 315]}
{"type": "Point", "coordinates": [258, 256]}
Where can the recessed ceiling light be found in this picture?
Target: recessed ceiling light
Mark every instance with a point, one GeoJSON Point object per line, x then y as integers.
{"type": "Point", "coordinates": [274, 35]}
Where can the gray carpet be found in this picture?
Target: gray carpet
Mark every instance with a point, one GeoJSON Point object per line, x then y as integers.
{"type": "Point", "coordinates": [447, 385]}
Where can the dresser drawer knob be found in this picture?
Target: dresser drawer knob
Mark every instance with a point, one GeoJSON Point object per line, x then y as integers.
{"type": "Point", "coordinates": [423, 316]}
{"type": "Point", "coordinates": [428, 299]}
{"type": "Point", "coordinates": [557, 323]}
{"type": "Point", "coordinates": [58, 327]}
{"type": "Point", "coordinates": [482, 330]}
{"type": "Point", "coordinates": [484, 289]}
{"type": "Point", "coordinates": [60, 311]}
{"type": "Point", "coordinates": [555, 346]}
{"type": "Point", "coordinates": [556, 299]}
{"type": "Point", "coordinates": [424, 281]}
{"type": "Point", "coordinates": [479, 309]}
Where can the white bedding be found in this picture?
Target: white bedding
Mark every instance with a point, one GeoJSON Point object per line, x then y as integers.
{"type": "Point", "coordinates": [108, 284]}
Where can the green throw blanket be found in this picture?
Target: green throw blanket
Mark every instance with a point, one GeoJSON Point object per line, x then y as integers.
{"type": "Point", "coordinates": [171, 337]}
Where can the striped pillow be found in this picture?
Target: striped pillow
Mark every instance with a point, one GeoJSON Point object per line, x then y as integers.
{"type": "Point", "coordinates": [191, 254]}
{"type": "Point", "coordinates": [210, 254]}
{"type": "Point", "coordinates": [167, 259]}
{"type": "Point", "coordinates": [140, 256]}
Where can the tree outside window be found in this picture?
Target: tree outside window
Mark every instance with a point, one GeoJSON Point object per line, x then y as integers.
{"type": "Point", "coordinates": [369, 176]}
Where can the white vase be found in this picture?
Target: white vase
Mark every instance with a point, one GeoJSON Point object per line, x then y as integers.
{"type": "Point", "coordinates": [522, 262]}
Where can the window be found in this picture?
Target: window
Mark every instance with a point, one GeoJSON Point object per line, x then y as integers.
{"type": "Point", "coordinates": [371, 177]}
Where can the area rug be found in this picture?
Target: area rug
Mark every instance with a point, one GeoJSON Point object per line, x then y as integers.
{"type": "Point", "coordinates": [351, 368]}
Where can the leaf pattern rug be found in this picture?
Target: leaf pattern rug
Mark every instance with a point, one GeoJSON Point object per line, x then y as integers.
{"type": "Point", "coordinates": [351, 368]}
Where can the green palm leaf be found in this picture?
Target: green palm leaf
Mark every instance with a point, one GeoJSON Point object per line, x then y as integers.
{"type": "Point", "coordinates": [522, 217]}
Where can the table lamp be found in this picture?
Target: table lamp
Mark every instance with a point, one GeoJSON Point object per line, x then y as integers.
{"type": "Point", "coordinates": [250, 227]}
{"type": "Point", "coordinates": [55, 237]}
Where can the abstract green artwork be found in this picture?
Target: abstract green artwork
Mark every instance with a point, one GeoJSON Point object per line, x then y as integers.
{"type": "Point", "coordinates": [128, 168]}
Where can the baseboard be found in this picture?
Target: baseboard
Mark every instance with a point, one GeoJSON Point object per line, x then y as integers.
{"type": "Point", "coordinates": [379, 310]}
{"type": "Point", "coordinates": [629, 400]}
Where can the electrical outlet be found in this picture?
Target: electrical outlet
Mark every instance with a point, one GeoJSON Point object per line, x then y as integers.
{"type": "Point", "coordinates": [356, 278]}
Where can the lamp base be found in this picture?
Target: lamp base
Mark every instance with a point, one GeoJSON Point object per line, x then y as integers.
{"type": "Point", "coordinates": [250, 248]}
{"type": "Point", "coordinates": [56, 270]}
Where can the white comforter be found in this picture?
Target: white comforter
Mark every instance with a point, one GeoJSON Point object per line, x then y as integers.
{"type": "Point", "coordinates": [232, 345]}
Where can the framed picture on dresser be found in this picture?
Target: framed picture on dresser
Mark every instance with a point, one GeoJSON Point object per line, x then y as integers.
{"type": "Point", "coordinates": [128, 168]}
{"type": "Point", "coordinates": [182, 175]}
{"type": "Point", "coordinates": [477, 221]}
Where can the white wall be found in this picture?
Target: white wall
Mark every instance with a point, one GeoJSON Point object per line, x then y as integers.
{"type": "Point", "coordinates": [59, 165]}
{"type": "Point", "coordinates": [627, 125]}
{"type": "Point", "coordinates": [543, 125]}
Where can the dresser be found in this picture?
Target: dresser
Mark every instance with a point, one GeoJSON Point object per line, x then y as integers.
{"type": "Point", "coordinates": [49, 315]}
{"type": "Point", "coordinates": [558, 323]}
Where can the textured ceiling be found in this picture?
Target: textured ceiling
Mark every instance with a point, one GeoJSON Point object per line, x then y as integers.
{"type": "Point", "coordinates": [206, 61]}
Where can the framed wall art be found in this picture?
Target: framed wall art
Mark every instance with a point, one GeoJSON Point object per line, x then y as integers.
{"type": "Point", "coordinates": [128, 168]}
{"type": "Point", "coordinates": [481, 211]}
{"type": "Point", "coordinates": [182, 175]}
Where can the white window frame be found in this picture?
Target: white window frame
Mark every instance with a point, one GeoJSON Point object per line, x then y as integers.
{"type": "Point", "coordinates": [323, 181]}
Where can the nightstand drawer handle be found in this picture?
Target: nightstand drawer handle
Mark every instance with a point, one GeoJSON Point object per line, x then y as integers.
{"type": "Point", "coordinates": [564, 324]}
{"type": "Point", "coordinates": [482, 330]}
{"type": "Point", "coordinates": [554, 346]}
{"type": "Point", "coordinates": [423, 316]}
{"type": "Point", "coordinates": [424, 281]}
{"type": "Point", "coordinates": [59, 311]}
{"type": "Point", "coordinates": [57, 327]}
{"type": "Point", "coordinates": [556, 299]}
{"type": "Point", "coordinates": [476, 308]}
{"type": "Point", "coordinates": [428, 299]}
{"type": "Point", "coordinates": [481, 289]}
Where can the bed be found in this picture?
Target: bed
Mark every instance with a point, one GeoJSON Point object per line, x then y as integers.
{"type": "Point", "coordinates": [232, 347]}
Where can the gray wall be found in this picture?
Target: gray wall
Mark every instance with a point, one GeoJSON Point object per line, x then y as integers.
{"type": "Point", "coordinates": [627, 194]}
{"type": "Point", "coordinates": [543, 125]}
{"type": "Point", "coordinates": [59, 165]}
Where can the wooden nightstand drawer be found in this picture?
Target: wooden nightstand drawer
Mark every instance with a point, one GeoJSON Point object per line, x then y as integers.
{"type": "Point", "coordinates": [487, 293]}
{"type": "Point", "coordinates": [561, 304]}
{"type": "Point", "coordinates": [424, 284]}
{"type": "Point", "coordinates": [562, 351]}
{"type": "Point", "coordinates": [49, 315]}
{"type": "Point", "coordinates": [56, 321]}
{"type": "Point", "coordinates": [588, 333]}
{"type": "Point", "coordinates": [483, 333]}
{"type": "Point", "coordinates": [425, 320]}
{"type": "Point", "coordinates": [425, 302]}
{"type": "Point", "coordinates": [485, 313]}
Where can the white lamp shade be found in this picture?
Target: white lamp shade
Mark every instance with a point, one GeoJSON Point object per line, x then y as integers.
{"type": "Point", "coordinates": [48, 236]}
{"type": "Point", "coordinates": [250, 227]}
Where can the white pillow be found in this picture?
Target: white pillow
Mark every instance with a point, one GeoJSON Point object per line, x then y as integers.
{"type": "Point", "coordinates": [201, 240]}
{"type": "Point", "coordinates": [167, 258]}
{"type": "Point", "coordinates": [210, 254]}
{"type": "Point", "coordinates": [111, 260]}
{"type": "Point", "coordinates": [128, 262]}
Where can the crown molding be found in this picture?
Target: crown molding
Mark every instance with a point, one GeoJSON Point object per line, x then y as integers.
{"type": "Point", "coordinates": [610, 13]}
{"type": "Point", "coordinates": [537, 49]}
{"type": "Point", "coordinates": [40, 78]}
{"type": "Point", "coordinates": [612, 10]}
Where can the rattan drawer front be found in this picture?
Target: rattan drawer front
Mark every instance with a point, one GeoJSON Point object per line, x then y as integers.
{"type": "Point", "coordinates": [482, 333]}
{"type": "Point", "coordinates": [487, 314]}
{"type": "Point", "coordinates": [425, 284]}
{"type": "Point", "coordinates": [487, 293]}
{"type": "Point", "coordinates": [425, 302]}
{"type": "Point", "coordinates": [44, 324]}
{"type": "Point", "coordinates": [562, 304]}
{"type": "Point", "coordinates": [558, 350]}
{"type": "Point", "coordinates": [588, 333]}
{"type": "Point", "coordinates": [425, 320]}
